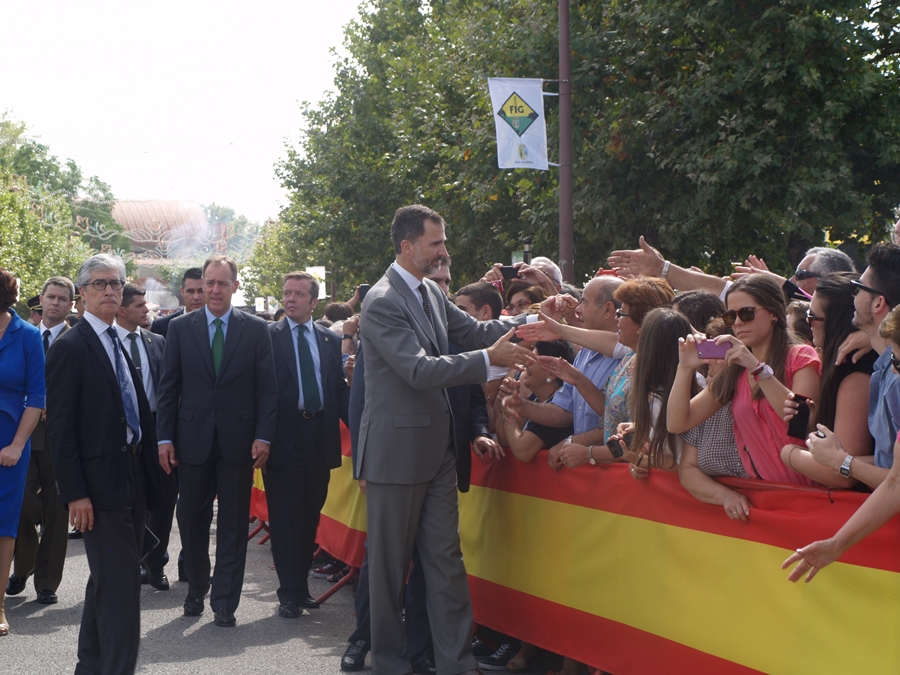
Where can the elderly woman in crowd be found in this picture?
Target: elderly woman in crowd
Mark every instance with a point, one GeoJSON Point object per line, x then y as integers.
{"type": "Point", "coordinates": [764, 365]}
{"type": "Point", "coordinates": [526, 438]}
{"type": "Point", "coordinates": [22, 394]}
{"type": "Point", "coordinates": [842, 403]}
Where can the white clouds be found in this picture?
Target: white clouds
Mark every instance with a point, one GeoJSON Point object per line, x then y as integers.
{"type": "Point", "coordinates": [175, 100]}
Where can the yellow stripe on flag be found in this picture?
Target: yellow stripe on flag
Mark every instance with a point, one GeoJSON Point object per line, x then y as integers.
{"type": "Point", "coordinates": [345, 503]}
{"type": "Point", "coordinates": [721, 595]}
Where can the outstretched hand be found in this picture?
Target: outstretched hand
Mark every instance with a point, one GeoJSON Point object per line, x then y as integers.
{"type": "Point", "coordinates": [811, 559]}
{"type": "Point", "coordinates": [644, 261]}
{"type": "Point", "coordinates": [509, 355]}
{"type": "Point", "coordinates": [545, 330]}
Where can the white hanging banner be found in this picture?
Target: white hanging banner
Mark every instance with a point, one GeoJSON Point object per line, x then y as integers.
{"type": "Point", "coordinates": [518, 106]}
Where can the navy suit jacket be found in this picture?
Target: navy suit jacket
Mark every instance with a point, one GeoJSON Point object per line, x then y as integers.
{"type": "Point", "coordinates": [161, 325]}
{"type": "Point", "coordinates": [334, 387]}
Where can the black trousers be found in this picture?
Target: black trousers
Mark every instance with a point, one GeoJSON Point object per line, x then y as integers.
{"type": "Point", "coordinates": [45, 557]}
{"type": "Point", "coordinates": [198, 487]}
{"type": "Point", "coordinates": [159, 522]}
{"type": "Point", "coordinates": [111, 622]}
{"type": "Point", "coordinates": [418, 629]}
{"type": "Point", "coordinates": [296, 489]}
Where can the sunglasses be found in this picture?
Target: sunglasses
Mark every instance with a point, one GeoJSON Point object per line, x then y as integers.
{"type": "Point", "coordinates": [896, 363]}
{"type": "Point", "coordinates": [857, 287]}
{"type": "Point", "coordinates": [801, 275]}
{"type": "Point", "coordinates": [745, 314]}
{"type": "Point", "coordinates": [810, 317]}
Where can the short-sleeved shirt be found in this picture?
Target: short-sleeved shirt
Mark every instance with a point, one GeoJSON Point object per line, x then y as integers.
{"type": "Point", "coordinates": [618, 397]}
{"type": "Point", "coordinates": [717, 453]}
{"type": "Point", "coordinates": [597, 368]}
{"type": "Point", "coordinates": [884, 409]}
{"type": "Point", "coordinates": [760, 432]}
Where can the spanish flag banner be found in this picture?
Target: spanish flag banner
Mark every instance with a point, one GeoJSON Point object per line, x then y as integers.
{"type": "Point", "coordinates": [342, 524]}
{"type": "Point", "coordinates": [639, 577]}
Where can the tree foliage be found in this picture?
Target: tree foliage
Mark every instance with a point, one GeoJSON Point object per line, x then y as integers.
{"type": "Point", "coordinates": [717, 129]}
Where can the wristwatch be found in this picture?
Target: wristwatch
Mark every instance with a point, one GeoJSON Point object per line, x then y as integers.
{"type": "Point", "coordinates": [591, 455]}
{"type": "Point", "coordinates": [762, 372]}
{"type": "Point", "coordinates": [346, 337]}
{"type": "Point", "coordinates": [845, 467]}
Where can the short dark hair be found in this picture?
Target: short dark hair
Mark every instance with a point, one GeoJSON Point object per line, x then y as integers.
{"type": "Point", "coordinates": [884, 261]}
{"type": "Point", "coordinates": [700, 307]}
{"type": "Point", "coordinates": [300, 276]}
{"type": "Point", "coordinates": [194, 273]}
{"type": "Point", "coordinates": [62, 282]}
{"type": "Point", "coordinates": [222, 260]}
{"type": "Point", "coordinates": [338, 311]}
{"type": "Point", "coordinates": [409, 223]}
{"type": "Point", "coordinates": [482, 293]}
{"type": "Point", "coordinates": [129, 291]}
{"type": "Point", "coordinates": [9, 290]}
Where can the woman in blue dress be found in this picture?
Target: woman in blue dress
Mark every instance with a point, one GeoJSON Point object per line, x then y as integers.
{"type": "Point", "coordinates": [22, 393]}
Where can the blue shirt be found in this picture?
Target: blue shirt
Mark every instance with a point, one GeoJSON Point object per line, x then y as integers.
{"type": "Point", "coordinates": [310, 335]}
{"type": "Point", "coordinates": [884, 409]}
{"type": "Point", "coordinates": [597, 368]}
{"type": "Point", "coordinates": [211, 327]}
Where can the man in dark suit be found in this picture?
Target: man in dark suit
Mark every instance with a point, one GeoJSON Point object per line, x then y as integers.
{"type": "Point", "coordinates": [146, 352]}
{"type": "Point", "coordinates": [406, 446]}
{"type": "Point", "coordinates": [312, 399]}
{"type": "Point", "coordinates": [99, 423]}
{"type": "Point", "coordinates": [192, 295]}
{"type": "Point", "coordinates": [44, 557]}
{"type": "Point", "coordinates": [215, 421]}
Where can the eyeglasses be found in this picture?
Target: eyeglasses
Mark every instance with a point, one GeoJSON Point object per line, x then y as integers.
{"type": "Point", "coordinates": [620, 314]}
{"type": "Point", "coordinates": [745, 314]}
{"type": "Point", "coordinates": [810, 317]}
{"type": "Point", "coordinates": [896, 363]}
{"type": "Point", "coordinates": [801, 275]}
{"type": "Point", "coordinates": [521, 305]}
{"type": "Point", "coordinates": [857, 287]}
{"type": "Point", "coordinates": [101, 284]}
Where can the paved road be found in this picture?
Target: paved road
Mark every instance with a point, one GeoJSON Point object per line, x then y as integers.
{"type": "Point", "coordinates": [43, 639]}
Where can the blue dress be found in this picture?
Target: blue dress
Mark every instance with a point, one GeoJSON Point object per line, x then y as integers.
{"type": "Point", "coordinates": [21, 385]}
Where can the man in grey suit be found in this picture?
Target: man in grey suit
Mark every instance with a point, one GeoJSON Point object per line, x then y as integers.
{"type": "Point", "coordinates": [146, 352]}
{"type": "Point", "coordinates": [215, 420]}
{"type": "Point", "coordinates": [313, 397]}
{"type": "Point", "coordinates": [406, 445]}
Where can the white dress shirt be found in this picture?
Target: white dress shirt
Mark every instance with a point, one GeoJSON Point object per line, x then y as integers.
{"type": "Point", "coordinates": [146, 374]}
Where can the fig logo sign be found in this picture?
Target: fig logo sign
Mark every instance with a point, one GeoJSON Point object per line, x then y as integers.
{"type": "Point", "coordinates": [520, 124]}
{"type": "Point", "coordinates": [517, 114]}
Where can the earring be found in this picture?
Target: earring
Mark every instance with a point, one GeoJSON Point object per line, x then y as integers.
{"type": "Point", "coordinates": [549, 380]}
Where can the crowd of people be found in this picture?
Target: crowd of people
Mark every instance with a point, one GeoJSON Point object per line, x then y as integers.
{"type": "Point", "coordinates": [114, 424]}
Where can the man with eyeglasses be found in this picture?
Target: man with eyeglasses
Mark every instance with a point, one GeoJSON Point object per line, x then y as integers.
{"type": "Point", "coordinates": [99, 422]}
{"type": "Point", "coordinates": [876, 292]}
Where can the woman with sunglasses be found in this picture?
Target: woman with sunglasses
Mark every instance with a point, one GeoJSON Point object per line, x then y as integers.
{"type": "Point", "coordinates": [842, 404]}
{"type": "Point", "coordinates": [763, 367]}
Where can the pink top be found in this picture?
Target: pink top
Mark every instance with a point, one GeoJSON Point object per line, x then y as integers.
{"type": "Point", "coordinates": [760, 432]}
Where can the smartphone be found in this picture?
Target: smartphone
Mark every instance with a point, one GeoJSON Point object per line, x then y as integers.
{"type": "Point", "coordinates": [363, 289]}
{"type": "Point", "coordinates": [510, 272]}
{"type": "Point", "coordinates": [615, 449]}
{"type": "Point", "coordinates": [708, 349]}
{"type": "Point", "coordinates": [800, 422]}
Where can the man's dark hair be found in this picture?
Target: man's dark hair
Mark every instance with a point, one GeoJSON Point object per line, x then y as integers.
{"type": "Point", "coordinates": [129, 291]}
{"type": "Point", "coordinates": [191, 273]}
{"type": "Point", "coordinates": [409, 223]}
{"type": "Point", "coordinates": [700, 307]}
{"type": "Point", "coordinates": [304, 276]}
{"type": "Point", "coordinates": [884, 261]}
{"type": "Point", "coordinates": [482, 293]}
{"type": "Point", "coordinates": [338, 311]}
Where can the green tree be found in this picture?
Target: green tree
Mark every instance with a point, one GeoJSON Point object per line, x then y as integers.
{"type": "Point", "coordinates": [239, 232]}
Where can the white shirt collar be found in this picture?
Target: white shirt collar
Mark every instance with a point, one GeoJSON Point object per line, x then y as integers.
{"type": "Point", "coordinates": [410, 280]}
{"type": "Point", "coordinates": [54, 332]}
{"type": "Point", "coordinates": [124, 333]}
{"type": "Point", "coordinates": [98, 324]}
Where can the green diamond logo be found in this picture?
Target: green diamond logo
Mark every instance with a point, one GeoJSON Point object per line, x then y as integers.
{"type": "Point", "coordinates": [517, 114]}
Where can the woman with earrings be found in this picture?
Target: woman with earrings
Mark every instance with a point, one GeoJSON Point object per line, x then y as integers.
{"type": "Point", "coordinates": [842, 403]}
{"type": "Point", "coordinates": [763, 367]}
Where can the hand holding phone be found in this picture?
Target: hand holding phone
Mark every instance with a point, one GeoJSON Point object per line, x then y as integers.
{"type": "Point", "coordinates": [509, 272]}
{"type": "Point", "coordinates": [708, 349]}
{"type": "Point", "coordinates": [799, 423]}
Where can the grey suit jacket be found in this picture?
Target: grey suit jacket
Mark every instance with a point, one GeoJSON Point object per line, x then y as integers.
{"type": "Point", "coordinates": [194, 405]}
{"type": "Point", "coordinates": [407, 424]}
{"type": "Point", "coordinates": [334, 387]}
{"type": "Point", "coordinates": [155, 345]}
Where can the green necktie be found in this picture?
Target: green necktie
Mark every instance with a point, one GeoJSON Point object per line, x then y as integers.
{"type": "Point", "coordinates": [135, 352]}
{"type": "Point", "coordinates": [218, 345]}
{"type": "Point", "coordinates": [311, 400]}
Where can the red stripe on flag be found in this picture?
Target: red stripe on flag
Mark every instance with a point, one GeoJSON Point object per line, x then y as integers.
{"type": "Point", "coordinates": [590, 639]}
{"type": "Point", "coordinates": [786, 516]}
{"type": "Point", "coordinates": [342, 542]}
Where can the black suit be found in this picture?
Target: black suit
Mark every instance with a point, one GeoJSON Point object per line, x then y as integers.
{"type": "Point", "coordinates": [160, 326]}
{"type": "Point", "coordinates": [304, 450]}
{"type": "Point", "coordinates": [213, 422]}
{"type": "Point", "coordinates": [44, 557]}
{"type": "Point", "coordinates": [88, 441]}
{"type": "Point", "coordinates": [159, 519]}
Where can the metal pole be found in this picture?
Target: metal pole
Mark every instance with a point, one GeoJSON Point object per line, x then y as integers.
{"type": "Point", "coordinates": [566, 236]}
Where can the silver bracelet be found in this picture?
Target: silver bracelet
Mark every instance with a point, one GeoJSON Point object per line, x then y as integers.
{"type": "Point", "coordinates": [665, 270]}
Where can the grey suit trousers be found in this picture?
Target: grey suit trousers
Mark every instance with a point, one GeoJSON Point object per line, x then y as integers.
{"type": "Point", "coordinates": [426, 514]}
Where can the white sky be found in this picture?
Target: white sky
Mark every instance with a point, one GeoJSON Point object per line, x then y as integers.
{"type": "Point", "coordinates": [175, 99]}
